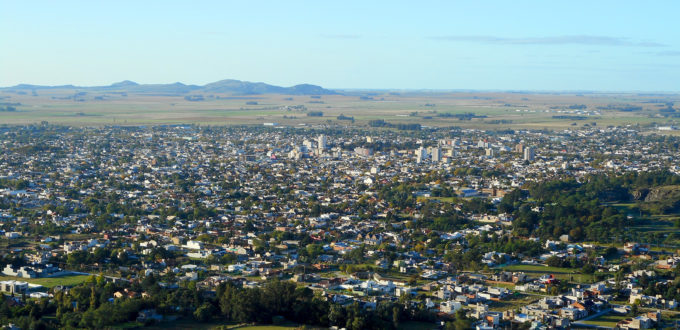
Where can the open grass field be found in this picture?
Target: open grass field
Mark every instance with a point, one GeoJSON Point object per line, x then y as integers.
{"type": "Point", "coordinates": [566, 274]}
{"type": "Point", "coordinates": [441, 199]}
{"type": "Point", "coordinates": [658, 230]}
{"type": "Point", "coordinates": [608, 320]}
{"type": "Point", "coordinates": [657, 225]}
{"type": "Point", "coordinates": [499, 110]}
{"type": "Point", "coordinates": [509, 286]}
{"type": "Point", "coordinates": [15, 244]}
{"type": "Point", "coordinates": [539, 269]}
{"type": "Point", "coordinates": [515, 302]}
{"type": "Point", "coordinates": [50, 282]}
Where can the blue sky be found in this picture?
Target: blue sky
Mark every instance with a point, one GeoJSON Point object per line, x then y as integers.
{"type": "Point", "coordinates": [510, 45]}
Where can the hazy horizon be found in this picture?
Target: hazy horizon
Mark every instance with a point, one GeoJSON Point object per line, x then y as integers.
{"type": "Point", "coordinates": [608, 46]}
{"type": "Point", "coordinates": [425, 90]}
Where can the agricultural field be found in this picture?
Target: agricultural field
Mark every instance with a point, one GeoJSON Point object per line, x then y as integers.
{"type": "Point", "coordinates": [488, 110]}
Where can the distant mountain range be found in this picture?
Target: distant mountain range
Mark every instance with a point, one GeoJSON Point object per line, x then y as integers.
{"type": "Point", "coordinates": [223, 86]}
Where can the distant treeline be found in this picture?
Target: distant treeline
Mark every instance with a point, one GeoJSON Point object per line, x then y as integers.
{"type": "Point", "coordinates": [79, 97]}
{"type": "Point", "coordinates": [343, 117]}
{"type": "Point", "coordinates": [577, 107]}
{"type": "Point", "coordinates": [460, 116]}
{"type": "Point", "coordinates": [515, 106]}
{"type": "Point", "coordinates": [235, 97]}
{"type": "Point", "coordinates": [7, 108]}
{"type": "Point", "coordinates": [403, 127]}
{"type": "Point", "coordinates": [275, 302]}
{"type": "Point", "coordinates": [570, 117]}
{"type": "Point", "coordinates": [315, 114]}
{"type": "Point", "coordinates": [621, 107]}
{"type": "Point", "coordinates": [194, 98]}
{"type": "Point", "coordinates": [571, 107]}
{"type": "Point", "coordinates": [499, 121]}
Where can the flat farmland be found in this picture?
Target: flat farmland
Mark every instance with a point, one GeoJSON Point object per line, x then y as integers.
{"type": "Point", "coordinates": [463, 109]}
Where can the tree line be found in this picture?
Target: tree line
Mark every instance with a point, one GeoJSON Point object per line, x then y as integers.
{"type": "Point", "coordinates": [92, 305]}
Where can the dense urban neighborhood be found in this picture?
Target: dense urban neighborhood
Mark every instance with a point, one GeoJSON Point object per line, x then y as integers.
{"type": "Point", "coordinates": [329, 226]}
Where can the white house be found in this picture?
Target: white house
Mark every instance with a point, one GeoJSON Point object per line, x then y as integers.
{"type": "Point", "coordinates": [194, 245]}
{"type": "Point", "coordinates": [450, 306]}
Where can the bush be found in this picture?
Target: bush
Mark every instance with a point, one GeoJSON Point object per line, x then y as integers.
{"type": "Point", "coordinates": [554, 261]}
{"type": "Point", "coordinates": [588, 269]}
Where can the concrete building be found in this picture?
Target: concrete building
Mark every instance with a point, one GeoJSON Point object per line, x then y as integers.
{"type": "Point", "coordinates": [363, 151]}
{"type": "Point", "coordinates": [436, 154]}
{"type": "Point", "coordinates": [13, 286]}
{"type": "Point", "coordinates": [421, 155]}
{"type": "Point", "coordinates": [321, 142]}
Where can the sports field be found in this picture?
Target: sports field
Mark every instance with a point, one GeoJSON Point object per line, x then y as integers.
{"type": "Point", "coordinates": [50, 282]}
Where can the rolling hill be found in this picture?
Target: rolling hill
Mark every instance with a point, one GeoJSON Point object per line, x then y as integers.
{"type": "Point", "coordinates": [230, 86]}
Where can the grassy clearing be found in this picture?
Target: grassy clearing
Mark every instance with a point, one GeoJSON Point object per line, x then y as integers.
{"type": "Point", "coordinates": [539, 269]}
{"type": "Point", "coordinates": [565, 274]}
{"type": "Point", "coordinates": [508, 286]}
{"type": "Point", "coordinates": [608, 320]}
{"type": "Point", "coordinates": [662, 227]}
{"type": "Point", "coordinates": [441, 199]}
{"type": "Point", "coordinates": [50, 282]}
{"type": "Point", "coordinates": [515, 302]}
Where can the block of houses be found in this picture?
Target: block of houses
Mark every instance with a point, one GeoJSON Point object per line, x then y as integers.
{"type": "Point", "coordinates": [13, 286]}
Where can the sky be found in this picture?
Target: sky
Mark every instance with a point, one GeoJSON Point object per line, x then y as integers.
{"type": "Point", "coordinates": [483, 45]}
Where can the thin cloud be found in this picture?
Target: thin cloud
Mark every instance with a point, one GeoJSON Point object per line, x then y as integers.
{"type": "Point", "coordinates": [341, 36]}
{"type": "Point", "coordinates": [556, 40]}
{"type": "Point", "coordinates": [669, 53]}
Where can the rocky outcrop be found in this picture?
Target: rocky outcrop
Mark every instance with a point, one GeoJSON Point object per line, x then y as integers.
{"type": "Point", "coordinates": [640, 194]}
{"type": "Point", "coordinates": [663, 194]}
